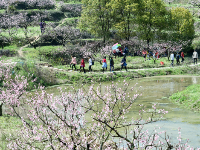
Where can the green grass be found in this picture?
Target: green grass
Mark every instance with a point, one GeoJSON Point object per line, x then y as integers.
{"type": "Point", "coordinates": [12, 47]}
{"type": "Point", "coordinates": [41, 48]}
{"type": "Point", "coordinates": [9, 122]}
{"type": "Point", "coordinates": [188, 98]}
{"type": "Point", "coordinates": [32, 32]}
{"type": "Point", "coordinates": [177, 5]}
{"type": "Point", "coordinates": [10, 59]}
{"type": "Point", "coordinates": [31, 53]}
{"type": "Point", "coordinates": [8, 125]}
{"type": "Point", "coordinates": [2, 11]}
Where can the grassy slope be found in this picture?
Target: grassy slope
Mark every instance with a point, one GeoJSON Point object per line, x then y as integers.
{"type": "Point", "coordinates": [32, 31]}
{"type": "Point", "coordinates": [189, 98]}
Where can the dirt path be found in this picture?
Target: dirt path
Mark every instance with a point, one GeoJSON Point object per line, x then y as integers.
{"type": "Point", "coordinates": [20, 52]}
{"type": "Point", "coordinates": [108, 71]}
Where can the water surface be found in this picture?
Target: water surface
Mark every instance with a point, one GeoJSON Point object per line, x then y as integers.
{"type": "Point", "coordinates": [157, 90]}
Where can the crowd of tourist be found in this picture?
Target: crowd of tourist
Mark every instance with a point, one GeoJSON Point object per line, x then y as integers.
{"type": "Point", "coordinates": [104, 64]}
{"type": "Point", "coordinates": [119, 53]}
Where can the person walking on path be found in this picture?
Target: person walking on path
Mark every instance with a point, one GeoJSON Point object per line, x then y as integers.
{"type": "Point", "coordinates": [104, 64]}
{"type": "Point", "coordinates": [73, 62]}
{"type": "Point", "coordinates": [182, 56]}
{"type": "Point", "coordinates": [44, 26]}
{"type": "Point", "coordinates": [120, 52]}
{"type": "Point", "coordinates": [157, 55]}
{"type": "Point", "coordinates": [82, 64]}
{"type": "Point", "coordinates": [177, 58]}
{"type": "Point", "coordinates": [90, 64]}
{"type": "Point", "coordinates": [111, 64]}
{"type": "Point", "coordinates": [126, 51]}
{"type": "Point", "coordinates": [117, 53]}
{"type": "Point", "coordinates": [148, 54]}
{"type": "Point", "coordinates": [123, 63]}
{"type": "Point", "coordinates": [172, 59]}
{"type": "Point", "coordinates": [195, 56]}
{"type": "Point", "coordinates": [41, 26]}
{"type": "Point", "coordinates": [144, 53]}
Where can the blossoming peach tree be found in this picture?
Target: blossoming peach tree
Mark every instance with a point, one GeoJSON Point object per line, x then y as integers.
{"type": "Point", "coordinates": [12, 86]}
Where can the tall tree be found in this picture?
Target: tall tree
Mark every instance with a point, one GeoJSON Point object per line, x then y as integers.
{"type": "Point", "coordinates": [182, 23]}
{"type": "Point", "coordinates": [123, 12]}
{"type": "Point", "coordinates": [96, 18]}
{"type": "Point", "coordinates": [151, 19]}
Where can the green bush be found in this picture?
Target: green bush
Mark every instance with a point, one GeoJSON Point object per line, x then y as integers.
{"type": "Point", "coordinates": [72, 22]}
{"type": "Point", "coordinates": [196, 43]}
{"type": "Point", "coordinates": [55, 15]}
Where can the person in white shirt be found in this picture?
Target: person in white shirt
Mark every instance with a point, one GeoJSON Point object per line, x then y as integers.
{"type": "Point", "coordinates": [172, 59]}
{"type": "Point", "coordinates": [195, 56]}
{"type": "Point", "coordinates": [90, 64]}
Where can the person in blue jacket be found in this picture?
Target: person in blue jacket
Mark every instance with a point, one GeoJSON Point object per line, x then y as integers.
{"type": "Point", "coordinates": [126, 51]}
{"type": "Point", "coordinates": [123, 63]}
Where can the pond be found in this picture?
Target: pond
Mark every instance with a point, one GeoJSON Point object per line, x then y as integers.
{"type": "Point", "coordinates": [157, 90]}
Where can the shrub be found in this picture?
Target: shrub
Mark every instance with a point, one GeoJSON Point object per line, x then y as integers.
{"type": "Point", "coordinates": [72, 22]}
{"type": "Point", "coordinates": [33, 4]}
{"type": "Point", "coordinates": [72, 10]}
{"type": "Point", "coordinates": [7, 52]}
{"type": "Point", "coordinates": [54, 15]}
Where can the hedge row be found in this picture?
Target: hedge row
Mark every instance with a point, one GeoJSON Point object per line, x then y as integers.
{"type": "Point", "coordinates": [28, 4]}
{"type": "Point", "coordinates": [11, 20]}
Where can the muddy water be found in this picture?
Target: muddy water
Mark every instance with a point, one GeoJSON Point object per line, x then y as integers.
{"type": "Point", "coordinates": [157, 90]}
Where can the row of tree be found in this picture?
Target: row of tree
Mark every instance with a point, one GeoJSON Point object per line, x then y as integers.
{"type": "Point", "coordinates": [149, 20]}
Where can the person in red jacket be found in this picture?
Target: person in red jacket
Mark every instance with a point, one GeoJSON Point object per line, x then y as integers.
{"type": "Point", "coordinates": [120, 52]}
{"type": "Point", "coordinates": [82, 64]}
{"type": "Point", "coordinates": [157, 55]}
{"type": "Point", "coordinates": [104, 64]}
{"type": "Point", "coordinates": [182, 56]}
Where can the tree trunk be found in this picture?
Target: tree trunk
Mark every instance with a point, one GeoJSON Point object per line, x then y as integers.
{"type": "Point", "coordinates": [148, 41]}
{"type": "Point", "coordinates": [34, 46]}
{"type": "Point", "coordinates": [104, 40]}
{"type": "Point", "coordinates": [168, 54]}
{"type": "Point", "coordinates": [128, 27]}
{"type": "Point", "coordinates": [1, 110]}
{"type": "Point", "coordinates": [88, 146]}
